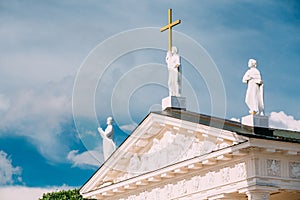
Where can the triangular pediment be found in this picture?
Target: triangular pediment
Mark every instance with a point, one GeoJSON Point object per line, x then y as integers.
{"type": "Point", "coordinates": [159, 141]}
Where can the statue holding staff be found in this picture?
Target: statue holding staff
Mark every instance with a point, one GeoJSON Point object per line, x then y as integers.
{"type": "Point", "coordinates": [173, 60]}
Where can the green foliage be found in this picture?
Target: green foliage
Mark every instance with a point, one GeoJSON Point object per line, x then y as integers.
{"type": "Point", "coordinates": [63, 195]}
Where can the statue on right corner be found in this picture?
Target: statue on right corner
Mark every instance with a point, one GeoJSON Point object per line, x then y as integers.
{"type": "Point", "coordinates": [255, 95]}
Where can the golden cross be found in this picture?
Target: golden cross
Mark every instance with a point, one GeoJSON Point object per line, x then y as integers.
{"type": "Point", "coordinates": [169, 27]}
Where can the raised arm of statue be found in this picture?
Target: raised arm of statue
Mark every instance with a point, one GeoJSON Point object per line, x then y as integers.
{"type": "Point", "coordinates": [102, 133]}
{"type": "Point", "coordinates": [108, 133]}
{"type": "Point", "coordinates": [168, 56]}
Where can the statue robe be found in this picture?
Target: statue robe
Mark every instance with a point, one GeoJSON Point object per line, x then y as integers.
{"type": "Point", "coordinates": [254, 94]}
{"type": "Point", "coordinates": [173, 61]}
{"type": "Point", "coordinates": [108, 144]}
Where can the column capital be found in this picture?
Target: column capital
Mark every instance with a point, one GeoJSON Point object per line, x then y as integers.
{"type": "Point", "coordinates": [258, 192]}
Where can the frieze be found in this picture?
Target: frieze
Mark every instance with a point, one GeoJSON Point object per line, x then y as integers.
{"type": "Point", "coordinates": [294, 168]}
{"type": "Point", "coordinates": [273, 167]}
{"type": "Point", "coordinates": [225, 172]}
{"type": "Point", "coordinates": [195, 184]}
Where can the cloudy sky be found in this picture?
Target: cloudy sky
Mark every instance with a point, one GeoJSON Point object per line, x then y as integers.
{"type": "Point", "coordinates": [47, 46]}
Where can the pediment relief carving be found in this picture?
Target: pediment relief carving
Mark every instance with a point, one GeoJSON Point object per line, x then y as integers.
{"type": "Point", "coordinates": [170, 148]}
{"type": "Point", "coordinates": [156, 145]}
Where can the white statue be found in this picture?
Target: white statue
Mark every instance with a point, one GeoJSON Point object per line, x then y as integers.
{"type": "Point", "coordinates": [173, 61]}
{"type": "Point", "coordinates": [254, 96]}
{"type": "Point", "coordinates": [108, 144]}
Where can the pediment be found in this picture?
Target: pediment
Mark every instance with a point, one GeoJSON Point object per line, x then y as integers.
{"type": "Point", "coordinates": [160, 141]}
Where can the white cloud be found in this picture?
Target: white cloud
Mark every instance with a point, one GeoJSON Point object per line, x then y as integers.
{"type": "Point", "coordinates": [4, 103]}
{"type": "Point", "coordinates": [128, 127]}
{"type": "Point", "coordinates": [235, 119]}
{"type": "Point", "coordinates": [27, 193]}
{"type": "Point", "coordinates": [8, 173]}
{"type": "Point", "coordinates": [280, 120]}
{"type": "Point", "coordinates": [38, 115]}
{"type": "Point", "coordinates": [33, 54]}
{"type": "Point", "coordinates": [283, 121]}
{"type": "Point", "coordinates": [87, 159]}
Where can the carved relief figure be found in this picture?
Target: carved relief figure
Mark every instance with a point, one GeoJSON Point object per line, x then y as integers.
{"type": "Point", "coordinates": [273, 167]}
{"type": "Point", "coordinates": [294, 170]}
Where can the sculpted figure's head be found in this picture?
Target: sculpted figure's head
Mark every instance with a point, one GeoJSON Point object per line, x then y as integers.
{"type": "Point", "coordinates": [174, 50]}
{"type": "Point", "coordinates": [252, 63]}
{"type": "Point", "coordinates": [109, 120]}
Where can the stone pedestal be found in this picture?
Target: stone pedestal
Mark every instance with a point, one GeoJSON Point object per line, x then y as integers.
{"type": "Point", "coordinates": [174, 102]}
{"type": "Point", "coordinates": [256, 121]}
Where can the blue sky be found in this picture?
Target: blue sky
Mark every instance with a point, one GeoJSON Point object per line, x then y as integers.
{"type": "Point", "coordinates": [44, 45]}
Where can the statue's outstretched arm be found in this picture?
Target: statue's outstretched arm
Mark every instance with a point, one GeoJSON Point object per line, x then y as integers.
{"type": "Point", "coordinates": [102, 133]}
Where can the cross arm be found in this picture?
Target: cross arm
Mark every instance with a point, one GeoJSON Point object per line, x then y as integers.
{"type": "Point", "coordinates": [170, 25]}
